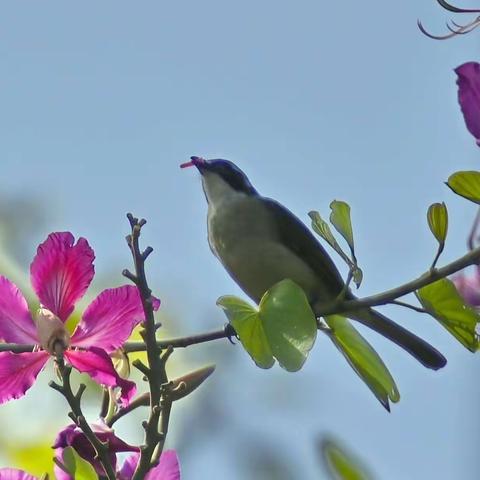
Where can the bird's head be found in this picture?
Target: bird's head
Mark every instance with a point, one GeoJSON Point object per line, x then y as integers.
{"type": "Point", "coordinates": [220, 178]}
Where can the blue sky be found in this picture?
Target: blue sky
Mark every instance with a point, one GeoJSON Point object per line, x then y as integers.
{"type": "Point", "coordinates": [101, 102]}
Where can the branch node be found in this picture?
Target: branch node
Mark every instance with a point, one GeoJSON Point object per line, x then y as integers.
{"type": "Point", "coordinates": [80, 391]}
{"type": "Point", "coordinates": [146, 253]}
{"type": "Point", "coordinates": [128, 274]}
{"type": "Point", "coordinates": [139, 365]}
{"type": "Point", "coordinates": [166, 354]}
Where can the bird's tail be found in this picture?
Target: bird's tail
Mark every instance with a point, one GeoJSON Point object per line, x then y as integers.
{"type": "Point", "coordinates": [415, 346]}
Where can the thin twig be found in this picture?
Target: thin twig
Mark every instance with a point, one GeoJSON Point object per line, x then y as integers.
{"type": "Point", "coordinates": [141, 401]}
{"type": "Point", "coordinates": [408, 305]}
{"type": "Point", "coordinates": [76, 414]}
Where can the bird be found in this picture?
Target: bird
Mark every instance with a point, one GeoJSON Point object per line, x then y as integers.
{"type": "Point", "coordinates": [260, 242]}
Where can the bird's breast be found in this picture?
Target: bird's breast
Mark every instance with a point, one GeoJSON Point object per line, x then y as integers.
{"type": "Point", "coordinates": [244, 237]}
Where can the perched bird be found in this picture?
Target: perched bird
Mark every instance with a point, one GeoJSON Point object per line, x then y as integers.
{"type": "Point", "coordinates": [260, 242]}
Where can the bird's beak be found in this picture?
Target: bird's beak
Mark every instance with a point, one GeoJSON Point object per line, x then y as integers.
{"type": "Point", "coordinates": [198, 162]}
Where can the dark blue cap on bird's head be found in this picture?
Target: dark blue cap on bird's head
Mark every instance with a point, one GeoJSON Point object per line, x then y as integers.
{"type": "Point", "coordinates": [225, 169]}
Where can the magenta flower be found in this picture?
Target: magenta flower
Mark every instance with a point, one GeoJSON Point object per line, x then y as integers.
{"type": "Point", "coordinates": [14, 474]}
{"type": "Point", "coordinates": [60, 274]}
{"type": "Point", "coordinates": [72, 436]}
{"type": "Point", "coordinates": [167, 469]}
{"type": "Point", "coordinates": [469, 287]}
{"type": "Point", "coordinates": [469, 96]}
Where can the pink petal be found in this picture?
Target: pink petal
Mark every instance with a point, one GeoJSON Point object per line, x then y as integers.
{"type": "Point", "coordinates": [60, 474]}
{"type": "Point", "coordinates": [469, 96]}
{"type": "Point", "coordinates": [129, 466]}
{"type": "Point", "coordinates": [109, 320]}
{"type": "Point", "coordinates": [96, 363]}
{"type": "Point", "coordinates": [468, 287]}
{"type": "Point", "coordinates": [61, 272]}
{"type": "Point", "coordinates": [16, 324]}
{"type": "Point", "coordinates": [18, 372]}
{"type": "Point", "coordinates": [14, 474]}
{"type": "Point", "coordinates": [167, 469]}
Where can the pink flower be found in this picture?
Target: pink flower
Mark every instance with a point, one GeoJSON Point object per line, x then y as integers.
{"type": "Point", "coordinates": [72, 436]}
{"type": "Point", "coordinates": [60, 274]}
{"type": "Point", "coordinates": [167, 469]}
{"type": "Point", "coordinates": [469, 287]}
{"type": "Point", "coordinates": [469, 96]}
{"type": "Point", "coordinates": [14, 474]}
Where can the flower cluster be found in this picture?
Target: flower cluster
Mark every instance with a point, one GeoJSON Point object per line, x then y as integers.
{"type": "Point", "coordinates": [61, 273]}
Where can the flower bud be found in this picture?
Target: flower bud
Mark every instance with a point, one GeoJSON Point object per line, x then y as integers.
{"type": "Point", "coordinates": [186, 384]}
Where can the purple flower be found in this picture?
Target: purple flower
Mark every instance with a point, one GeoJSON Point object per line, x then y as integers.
{"type": "Point", "coordinates": [60, 274]}
{"type": "Point", "coordinates": [72, 436]}
{"type": "Point", "coordinates": [14, 474]}
{"type": "Point", "coordinates": [167, 469]}
{"type": "Point", "coordinates": [469, 96]}
{"type": "Point", "coordinates": [469, 287]}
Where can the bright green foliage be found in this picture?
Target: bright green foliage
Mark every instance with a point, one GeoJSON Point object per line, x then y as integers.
{"type": "Point", "coordinates": [437, 216]}
{"type": "Point", "coordinates": [249, 328]}
{"type": "Point", "coordinates": [283, 328]}
{"type": "Point", "coordinates": [466, 184]}
{"type": "Point", "coordinates": [341, 465]}
{"type": "Point", "coordinates": [320, 226]}
{"type": "Point", "coordinates": [363, 359]}
{"type": "Point", "coordinates": [442, 300]}
{"type": "Point", "coordinates": [78, 468]}
{"type": "Point", "coordinates": [340, 219]}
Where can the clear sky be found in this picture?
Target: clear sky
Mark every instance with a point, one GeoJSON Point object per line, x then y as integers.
{"type": "Point", "coordinates": [101, 101]}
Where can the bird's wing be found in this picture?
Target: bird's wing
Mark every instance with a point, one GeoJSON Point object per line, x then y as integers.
{"type": "Point", "coordinates": [300, 240]}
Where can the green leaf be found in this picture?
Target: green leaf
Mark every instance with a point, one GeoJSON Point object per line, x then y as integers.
{"type": "Point", "coordinates": [437, 216]}
{"type": "Point", "coordinates": [466, 184]}
{"type": "Point", "coordinates": [284, 327]}
{"type": "Point", "coordinates": [341, 465]}
{"type": "Point", "coordinates": [442, 300]}
{"type": "Point", "coordinates": [340, 219]}
{"type": "Point", "coordinates": [363, 359]}
{"type": "Point", "coordinates": [79, 468]}
{"type": "Point", "coordinates": [321, 227]}
{"type": "Point", "coordinates": [249, 328]}
{"type": "Point", "coordinates": [289, 323]}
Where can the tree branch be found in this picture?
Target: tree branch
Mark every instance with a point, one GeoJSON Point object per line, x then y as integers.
{"type": "Point", "coordinates": [77, 416]}
{"type": "Point", "coordinates": [155, 372]}
{"type": "Point", "coordinates": [389, 296]}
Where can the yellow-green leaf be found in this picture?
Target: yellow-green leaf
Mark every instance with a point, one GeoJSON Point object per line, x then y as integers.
{"type": "Point", "coordinates": [249, 328]}
{"type": "Point", "coordinates": [79, 468]}
{"type": "Point", "coordinates": [442, 300]}
{"type": "Point", "coordinates": [466, 184]}
{"type": "Point", "coordinates": [437, 216]}
{"type": "Point", "coordinates": [340, 219]}
{"type": "Point", "coordinates": [364, 360]}
{"type": "Point", "coordinates": [341, 464]}
{"type": "Point", "coordinates": [321, 227]}
{"type": "Point", "coordinates": [283, 328]}
{"type": "Point", "coordinates": [289, 323]}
